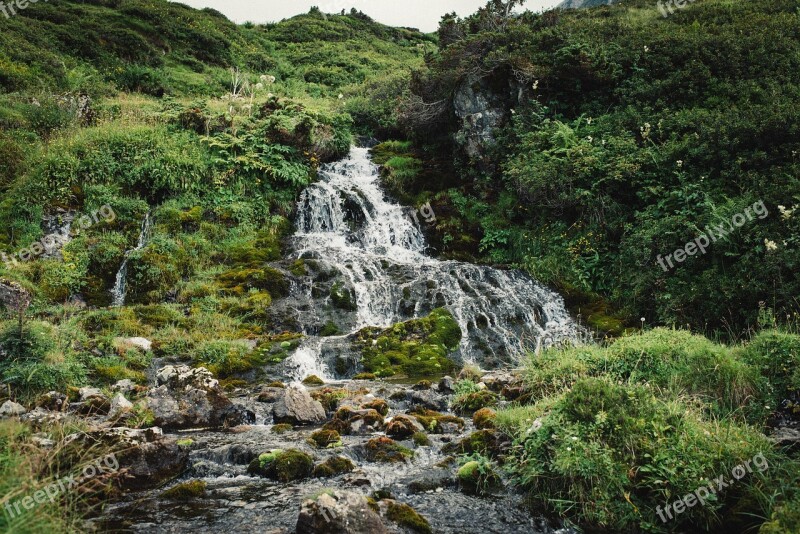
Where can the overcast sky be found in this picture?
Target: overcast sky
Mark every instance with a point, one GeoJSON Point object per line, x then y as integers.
{"type": "Point", "coordinates": [422, 14]}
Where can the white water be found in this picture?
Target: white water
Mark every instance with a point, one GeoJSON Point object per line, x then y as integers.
{"type": "Point", "coordinates": [120, 290]}
{"type": "Point", "coordinates": [346, 220]}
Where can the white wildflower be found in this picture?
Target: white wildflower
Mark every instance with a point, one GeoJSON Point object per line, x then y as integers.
{"type": "Point", "coordinates": [771, 245]}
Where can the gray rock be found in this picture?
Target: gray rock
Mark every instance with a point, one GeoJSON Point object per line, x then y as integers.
{"type": "Point", "coordinates": [428, 399]}
{"type": "Point", "coordinates": [189, 398]}
{"type": "Point", "coordinates": [12, 409]}
{"type": "Point", "coordinates": [120, 404]}
{"type": "Point", "coordinates": [52, 400]}
{"type": "Point", "coordinates": [124, 386]}
{"type": "Point", "coordinates": [296, 407]}
{"type": "Point", "coordinates": [135, 342]}
{"type": "Point", "coordinates": [447, 385]}
{"type": "Point", "coordinates": [339, 512]}
{"type": "Point", "coordinates": [270, 394]}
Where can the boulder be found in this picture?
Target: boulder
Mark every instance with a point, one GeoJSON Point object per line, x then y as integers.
{"type": "Point", "coordinates": [402, 427]}
{"type": "Point", "coordinates": [52, 400]}
{"type": "Point", "coordinates": [296, 407]}
{"type": "Point", "coordinates": [134, 342]}
{"type": "Point", "coordinates": [339, 512]}
{"type": "Point", "coordinates": [447, 385]}
{"type": "Point", "coordinates": [428, 399]}
{"type": "Point", "coordinates": [120, 404]}
{"type": "Point", "coordinates": [12, 409]}
{"type": "Point", "coordinates": [190, 398]}
{"type": "Point", "coordinates": [91, 401]}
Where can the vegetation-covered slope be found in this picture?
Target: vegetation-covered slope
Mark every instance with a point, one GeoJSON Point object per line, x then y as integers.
{"type": "Point", "coordinates": [620, 136]}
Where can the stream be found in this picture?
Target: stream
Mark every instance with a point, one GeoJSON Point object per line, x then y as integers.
{"type": "Point", "coordinates": [345, 221]}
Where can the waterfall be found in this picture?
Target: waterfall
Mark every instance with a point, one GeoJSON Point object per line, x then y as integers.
{"type": "Point", "coordinates": [346, 221]}
{"type": "Point", "coordinates": [120, 283]}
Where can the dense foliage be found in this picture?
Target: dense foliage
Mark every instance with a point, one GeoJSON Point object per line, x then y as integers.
{"type": "Point", "coordinates": [622, 136]}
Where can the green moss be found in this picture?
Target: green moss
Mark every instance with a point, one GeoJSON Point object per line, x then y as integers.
{"type": "Point", "coordinates": [483, 442]}
{"type": "Point", "coordinates": [325, 439]}
{"type": "Point", "coordinates": [432, 420]}
{"type": "Point", "coordinates": [330, 397]}
{"type": "Point", "coordinates": [386, 450]}
{"type": "Point", "coordinates": [477, 476]}
{"type": "Point", "coordinates": [419, 347]}
{"type": "Point", "coordinates": [365, 376]}
{"type": "Point", "coordinates": [333, 466]}
{"type": "Point", "coordinates": [299, 268]}
{"type": "Point", "coordinates": [484, 418]}
{"type": "Point", "coordinates": [185, 491]}
{"type": "Point", "coordinates": [379, 405]}
{"type": "Point", "coordinates": [283, 466]}
{"type": "Point", "coordinates": [282, 428]}
{"type": "Point", "coordinates": [313, 380]}
{"type": "Point", "coordinates": [342, 297]}
{"type": "Point", "coordinates": [242, 280]}
{"type": "Point", "coordinates": [330, 329]}
{"type": "Point", "coordinates": [421, 439]}
{"type": "Point", "coordinates": [407, 517]}
{"type": "Point", "coordinates": [471, 402]}
{"type": "Point", "coordinates": [188, 442]}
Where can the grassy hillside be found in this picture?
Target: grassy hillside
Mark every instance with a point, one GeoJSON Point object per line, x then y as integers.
{"type": "Point", "coordinates": [623, 136]}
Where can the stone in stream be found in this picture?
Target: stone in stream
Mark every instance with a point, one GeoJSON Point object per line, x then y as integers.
{"type": "Point", "coordinates": [296, 407]}
{"type": "Point", "coordinates": [192, 398]}
{"type": "Point", "coordinates": [339, 512]}
{"type": "Point", "coordinates": [402, 427]}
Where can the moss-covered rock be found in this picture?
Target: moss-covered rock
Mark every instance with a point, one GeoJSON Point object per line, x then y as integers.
{"type": "Point", "coordinates": [365, 376]}
{"type": "Point", "coordinates": [477, 477]}
{"type": "Point", "coordinates": [325, 439]}
{"type": "Point", "coordinates": [472, 402]}
{"type": "Point", "coordinates": [333, 466]}
{"type": "Point", "coordinates": [283, 466]}
{"type": "Point", "coordinates": [186, 490]}
{"type": "Point", "coordinates": [433, 421]}
{"type": "Point", "coordinates": [421, 439]}
{"type": "Point", "coordinates": [313, 380]}
{"type": "Point", "coordinates": [484, 418]}
{"type": "Point", "coordinates": [386, 450]}
{"type": "Point", "coordinates": [402, 427]}
{"type": "Point", "coordinates": [405, 516]}
{"type": "Point", "coordinates": [484, 442]}
{"type": "Point", "coordinates": [379, 405]}
{"type": "Point", "coordinates": [419, 347]}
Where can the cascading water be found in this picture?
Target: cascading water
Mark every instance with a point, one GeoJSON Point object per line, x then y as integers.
{"type": "Point", "coordinates": [345, 221]}
{"type": "Point", "coordinates": [120, 289]}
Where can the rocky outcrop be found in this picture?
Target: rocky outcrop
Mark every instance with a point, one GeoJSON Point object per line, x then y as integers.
{"type": "Point", "coordinates": [339, 512]}
{"type": "Point", "coordinates": [192, 398]}
{"type": "Point", "coordinates": [296, 407]}
{"type": "Point", "coordinates": [12, 409]}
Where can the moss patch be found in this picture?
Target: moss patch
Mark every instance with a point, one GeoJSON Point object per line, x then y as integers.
{"type": "Point", "coordinates": [333, 466]}
{"type": "Point", "coordinates": [419, 347]}
{"type": "Point", "coordinates": [386, 450]}
{"type": "Point", "coordinates": [283, 466]}
{"type": "Point", "coordinates": [186, 490]}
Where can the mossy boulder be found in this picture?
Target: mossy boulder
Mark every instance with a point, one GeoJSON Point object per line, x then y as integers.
{"type": "Point", "coordinates": [484, 418]}
{"type": "Point", "coordinates": [472, 402]}
{"type": "Point", "coordinates": [342, 297]}
{"type": "Point", "coordinates": [240, 281]}
{"type": "Point", "coordinates": [420, 347]}
{"type": "Point", "coordinates": [365, 376]}
{"type": "Point", "coordinates": [379, 405]}
{"type": "Point", "coordinates": [435, 422]}
{"type": "Point", "coordinates": [405, 516]}
{"type": "Point", "coordinates": [402, 427]}
{"type": "Point", "coordinates": [333, 466]}
{"type": "Point", "coordinates": [313, 380]}
{"type": "Point", "coordinates": [283, 466]}
{"type": "Point", "coordinates": [356, 421]}
{"type": "Point", "coordinates": [330, 397]}
{"type": "Point", "coordinates": [421, 439]}
{"type": "Point", "coordinates": [186, 490]}
{"type": "Point", "coordinates": [484, 442]}
{"type": "Point", "coordinates": [325, 439]}
{"type": "Point", "coordinates": [477, 477]}
{"type": "Point", "coordinates": [386, 450]}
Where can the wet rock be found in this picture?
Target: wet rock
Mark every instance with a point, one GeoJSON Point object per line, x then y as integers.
{"type": "Point", "coordinates": [52, 400]}
{"type": "Point", "coordinates": [430, 480]}
{"type": "Point", "coordinates": [189, 398]}
{"type": "Point", "coordinates": [422, 385]}
{"type": "Point", "coordinates": [297, 407]}
{"type": "Point", "coordinates": [269, 394]}
{"type": "Point", "coordinates": [12, 409]}
{"type": "Point", "coordinates": [325, 439]}
{"type": "Point", "coordinates": [379, 405]}
{"type": "Point", "coordinates": [437, 423]}
{"type": "Point", "coordinates": [786, 437]}
{"type": "Point", "coordinates": [428, 399]}
{"type": "Point", "coordinates": [283, 466]}
{"type": "Point", "coordinates": [477, 479]}
{"type": "Point", "coordinates": [339, 512]}
{"type": "Point", "coordinates": [446, 385]}
{"type": "Point", "coordinates": [233, 454]}
{"type": "Point", "coordinates": [403, 515]}
{"type": "Point", "coordinates": [145, 458]}
{"type": "Point", "coordinates": [349, 421]}
{"type": "Point", "coordinates": [386, 450]}
{"type": "Point", "coordinates": [237, 415]}
{"type": "Point", "coordinates": [333, 466]}
{"type": "Point", "coordinates": [402, 427]}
